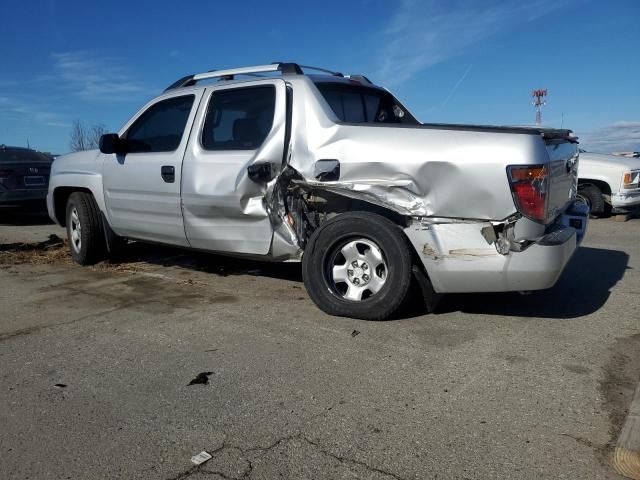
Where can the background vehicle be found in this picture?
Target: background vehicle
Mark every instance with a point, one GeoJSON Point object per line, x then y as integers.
{"type": "Point", "coordinates": [24, 177]}
{"type": "Point", "coordinates": [608, 181]}
{"type": "Point", "coordinates": [333, 170]}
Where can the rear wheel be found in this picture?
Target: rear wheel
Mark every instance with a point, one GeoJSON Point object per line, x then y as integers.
{"type": "Point", "coordinates": [591, 195]}
{"type": "Point", "coordinates": [358, 265]}
{"type": "Point", "coordinates": [84, 229]}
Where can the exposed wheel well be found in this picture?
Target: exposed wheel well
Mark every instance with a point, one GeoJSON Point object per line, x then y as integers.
{"type": "Point", "coordinates": [333, 203]}
{"type": "Point", "coordinates": [60, 197]}
{"type": "Point", "coordinates": [363, 206]}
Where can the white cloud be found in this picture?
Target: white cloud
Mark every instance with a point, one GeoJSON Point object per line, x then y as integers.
{"type": "Point", "coordinates": [619, 136]}
{"type": "Point", "coordinates": [94, 77]}
{"type": "Point", "coordinates": [424, 33]}
{"type": "Point", "coordinates": [16, 109]}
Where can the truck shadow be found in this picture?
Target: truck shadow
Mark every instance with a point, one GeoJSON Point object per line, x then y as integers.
{"type": "Point", "coordinates": [208, 262]}
{"type": "Point", "coordinates": [583, 288]}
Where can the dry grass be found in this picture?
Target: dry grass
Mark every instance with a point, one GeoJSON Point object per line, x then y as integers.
{"type": "Point", "coordinates": [119, 267]}
{"type": "Point", "coordinates": [52, 251]}
{"type": "Point", "coordinates": [55, 250]}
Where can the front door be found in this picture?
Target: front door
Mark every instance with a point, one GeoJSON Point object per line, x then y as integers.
{"type": "Point", "coordinates": [142, 187]}
{"type": "Point", "coordinates": [238, 125]}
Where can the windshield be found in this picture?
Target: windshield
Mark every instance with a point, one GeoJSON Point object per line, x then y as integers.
{"type": "Point", "coordinates": [360, 104]}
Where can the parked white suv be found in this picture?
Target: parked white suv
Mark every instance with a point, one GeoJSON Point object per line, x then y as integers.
{"type": "Point", "coordinates": [609, 180]}
{"type": "Point", "coordinates": [275, 164]}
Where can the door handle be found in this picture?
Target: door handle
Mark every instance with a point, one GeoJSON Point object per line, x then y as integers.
{"type": "Point", "coordinates": [168, 173]}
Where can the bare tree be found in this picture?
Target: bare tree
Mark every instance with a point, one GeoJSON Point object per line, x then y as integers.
{"type": "Point", "coordinates": [78, 140]}
{"type": "Point", "coordinates": [96, 132]}
{"type": "Point", "coordinates": [82, 138]}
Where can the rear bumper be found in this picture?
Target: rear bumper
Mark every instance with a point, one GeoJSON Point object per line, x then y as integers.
{"type": "Point", "coordinates": [17, 198]}
{"type": "Point", "coordinates": [458, 259]}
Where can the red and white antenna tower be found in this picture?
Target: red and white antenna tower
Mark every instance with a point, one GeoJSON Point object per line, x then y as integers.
{"type": "Point", "coordinates": [538, 102]}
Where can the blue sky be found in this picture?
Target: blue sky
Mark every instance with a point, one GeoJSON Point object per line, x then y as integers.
{"type": "Point", "coordinates": [458, 61]}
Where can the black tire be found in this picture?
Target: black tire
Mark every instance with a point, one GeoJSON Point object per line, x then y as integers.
{"type": "Point", "coordinates": [592, 196]}
{"type": "Point", "coordinates": [83, 210]}
{"type": "Point", "coordinates": [363, 232]}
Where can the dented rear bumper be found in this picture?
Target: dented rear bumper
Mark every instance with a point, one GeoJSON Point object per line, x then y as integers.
{"type": "Point", "coordinates": [459, 259]}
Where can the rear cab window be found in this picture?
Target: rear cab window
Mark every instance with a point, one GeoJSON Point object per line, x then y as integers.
{"type": "Point", "coordinates": [359, 104]}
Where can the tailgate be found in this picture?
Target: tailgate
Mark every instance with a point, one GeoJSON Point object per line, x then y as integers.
{"type": "Point", "coordinates": [563, 174]}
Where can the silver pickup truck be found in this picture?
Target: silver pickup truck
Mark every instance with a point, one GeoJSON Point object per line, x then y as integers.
{"type": "Point", "coordinates": [274, 163]}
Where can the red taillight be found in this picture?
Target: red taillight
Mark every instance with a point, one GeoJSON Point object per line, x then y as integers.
{"type": "Point", "coordinates": [529, 187]}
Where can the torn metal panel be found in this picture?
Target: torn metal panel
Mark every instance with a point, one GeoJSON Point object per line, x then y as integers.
{"type": "Point", "coordinates": [384, 194]}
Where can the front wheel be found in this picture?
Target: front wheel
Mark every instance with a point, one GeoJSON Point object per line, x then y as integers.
{"type": "Point", "coordinates": [591, 196]}
{"type": "Point", "coordinates": [358, 265]}
{"type": "Point", "coordinates": [84, 229]}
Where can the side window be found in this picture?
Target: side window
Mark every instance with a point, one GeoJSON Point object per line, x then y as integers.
{"type": "Point", "coordinates": [161, 127]}
{"type": "Point", "coordinates": [239, 118]}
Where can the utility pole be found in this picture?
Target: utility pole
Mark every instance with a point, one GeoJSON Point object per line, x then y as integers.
{"type": "Point", "coordinates": [538, 102]}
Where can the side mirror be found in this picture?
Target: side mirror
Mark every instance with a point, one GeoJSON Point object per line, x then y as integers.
{"type": "Point", "coordinates": [112, 143]}
{"type": "Point", "coordinates": [260, 172]}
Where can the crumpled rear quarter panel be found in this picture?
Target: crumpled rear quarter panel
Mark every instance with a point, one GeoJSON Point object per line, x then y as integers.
{"type": "Point", "coordinates": [423, 171]}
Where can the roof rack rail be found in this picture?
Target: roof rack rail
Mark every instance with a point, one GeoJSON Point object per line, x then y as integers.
{"type": "Point", "coordinates": [318, 69]}
{"type": "Point", "coordinates": [285, 68]}
{"type": "Point", "coordinates": [359, 78]}
{"type": "Point", "coordinates": [229, 74]}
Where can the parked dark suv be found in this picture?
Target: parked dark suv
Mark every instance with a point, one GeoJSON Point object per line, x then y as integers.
{"type": "Point", "coordinates": [24, 177]}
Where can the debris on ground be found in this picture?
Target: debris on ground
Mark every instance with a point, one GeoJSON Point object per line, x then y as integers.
{"type": "Point", "coordinates": [192, 283]}
{"type": "Point", "coordinates": [52, 250]}
{"type": "Point", "coordinates": [355, 333]}
{"type": "Point", "coordinates": [61, 385]}
{"type": "Point", "coordinates": [121, 267]}
{"type": "Point", "coordinates": [201, 379]}
{"type": "Point", "coordinates": [201, 458]}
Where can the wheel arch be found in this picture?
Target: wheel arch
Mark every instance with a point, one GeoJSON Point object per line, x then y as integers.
{"type": "Point", "coordinates": [604, 187]}
{"type": "Point", "coordinates": [336, 204]}
{"type": "Point", "coordinates": [419, 270]}
{"type": "Point", "coordinates": [60, 197]}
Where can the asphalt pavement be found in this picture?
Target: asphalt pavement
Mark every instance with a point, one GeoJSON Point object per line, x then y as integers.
{"type": "Point", "coordinates": [97, 369]}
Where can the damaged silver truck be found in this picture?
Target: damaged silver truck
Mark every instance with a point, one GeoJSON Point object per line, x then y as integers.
{"type": "Point", "coordinates": [275, 163]}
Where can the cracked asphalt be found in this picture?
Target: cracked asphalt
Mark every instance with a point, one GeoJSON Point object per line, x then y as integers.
{"type": "Point", "coordinates": [95, 366]}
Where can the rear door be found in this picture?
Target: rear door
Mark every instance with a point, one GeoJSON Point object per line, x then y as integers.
{"type": "Point", "coordinates": [238, 125]}
{"type": "Point", "coordinates": [142, 188]}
